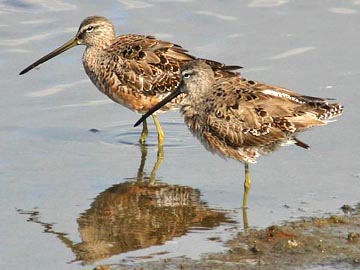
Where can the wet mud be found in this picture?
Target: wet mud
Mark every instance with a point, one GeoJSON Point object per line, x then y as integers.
{"type": "Point", "coordinates": [311, 243]}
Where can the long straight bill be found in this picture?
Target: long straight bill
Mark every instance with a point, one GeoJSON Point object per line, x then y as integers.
{"type": "Point", "coordinates": [68, 45]}
{"type": "Point", "coordinates": [167, 99]}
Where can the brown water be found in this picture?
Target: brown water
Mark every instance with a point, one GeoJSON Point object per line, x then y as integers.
{"type": "Point", "coordinates": [63, 187]}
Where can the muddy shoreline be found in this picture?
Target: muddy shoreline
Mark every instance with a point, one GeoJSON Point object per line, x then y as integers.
{"type": "Point", "coordinates": [310, 243]}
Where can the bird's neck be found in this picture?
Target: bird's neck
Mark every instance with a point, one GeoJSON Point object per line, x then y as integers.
{"type": "Point", "coordinates": [94, 60]}
{"type": "Point", "coordinates": [197, 98]}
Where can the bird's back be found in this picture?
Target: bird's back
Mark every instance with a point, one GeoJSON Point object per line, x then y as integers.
{"type": "Point", "coordinates": [138, 71]}
{"type": "Point", "coordinates": [243, 119]}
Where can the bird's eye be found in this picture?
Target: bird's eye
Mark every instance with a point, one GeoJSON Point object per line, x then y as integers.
{"type": "Point", "coordinates": [186, 75]}
{"type": "Point", "coordinates": [89, 29]}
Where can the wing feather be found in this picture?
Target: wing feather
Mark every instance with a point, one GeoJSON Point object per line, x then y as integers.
{"type": "Point", "coordinates": [247, 113]}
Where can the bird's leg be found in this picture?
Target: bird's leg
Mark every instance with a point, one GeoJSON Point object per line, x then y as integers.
{"type": "Point", "coordinates": [159, 130]}
{"type": "Point", "coordinates": [159, 160]}
{"type": "Point", "coordinates": [140, 173]}
{"type": "Point", "coordinates": [144, 133]}
{"type": "Point", "coordinates": [245, 219]}
{"type": "Point", "coordinates": [247, 185]}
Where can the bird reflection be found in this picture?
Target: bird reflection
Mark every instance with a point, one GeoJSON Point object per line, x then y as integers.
{"type": "Point", "coordinates": [136, 214]}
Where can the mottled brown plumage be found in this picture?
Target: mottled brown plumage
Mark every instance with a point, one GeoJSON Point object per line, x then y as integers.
{"type": "Point", "coordinates": [133, 70]}
{"type": "Point", "coordinates": [243, 119]}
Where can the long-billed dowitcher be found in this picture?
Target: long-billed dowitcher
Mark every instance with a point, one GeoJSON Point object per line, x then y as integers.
{"type": "Point", "coordinates": [136, 71]}
{"type": "Point", "coordinates": [243, 119]}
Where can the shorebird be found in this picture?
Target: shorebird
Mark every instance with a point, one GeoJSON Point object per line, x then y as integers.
{"type": "Point", "coordinates": [243, 119]}
{"type": "Point", "coordinates": [136, 71]}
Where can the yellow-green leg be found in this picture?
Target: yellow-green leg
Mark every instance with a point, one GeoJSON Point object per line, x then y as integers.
{"type": "Point", "coordinates": [247, 185]}
{"type": "Point", "coordinates": [159, 160]}
{"type": "Point", "coordinates": [140, 173]}
{"type": "Point", "coordinates": [245, 219]}
{"type": "Point", "coordinates": [159, 130]}
{"type": "Point", "coordinates": [144, 133]}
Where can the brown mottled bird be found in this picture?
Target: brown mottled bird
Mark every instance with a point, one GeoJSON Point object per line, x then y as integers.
{"type": "Point", "coordinates": [243, 119]}
{"type": "Point", "coordinates": [133, 70]}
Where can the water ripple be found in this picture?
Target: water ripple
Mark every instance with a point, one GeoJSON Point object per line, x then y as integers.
{"type": "Point", "coordinates": [125, 133]}
{"type": "Point", "coordinates": [20, 41]}
{"type": "Point", "coordinates": [133, 4]}
{"type": "Point", "coordinates": [56, 89]}
{"type": "Point", "coordinates": [42, 21]}
{"type": "Point", "coordinates": [341, 10]}
{"type": "Point", "coordinates": [215, 15]}
{"type": "Point", "coordinates": [293, 52]}
{"type": "Point", "coordinates": [90, 103]}
{"type": "Point", "coordinates": [54, 5]}
{"type": "Point", "coordinates": [267, 3]}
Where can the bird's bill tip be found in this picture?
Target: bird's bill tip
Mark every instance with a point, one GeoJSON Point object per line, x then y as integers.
{"type": "Point", "coordinates": [22, 72]}
{"type": "Point", "coordinates": [167, 99]}
{"type": "Point", "coordinates": [138, 122]}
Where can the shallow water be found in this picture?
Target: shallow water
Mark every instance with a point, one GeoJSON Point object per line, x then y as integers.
{"type": "Point", "coordinates": [53, 169]}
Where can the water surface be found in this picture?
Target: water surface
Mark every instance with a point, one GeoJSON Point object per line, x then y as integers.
{"type": "Point", "coordinates": [53, 170]}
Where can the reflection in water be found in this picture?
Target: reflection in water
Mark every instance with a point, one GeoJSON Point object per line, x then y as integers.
{"type": "Point", "coordinates": [136, 214]}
